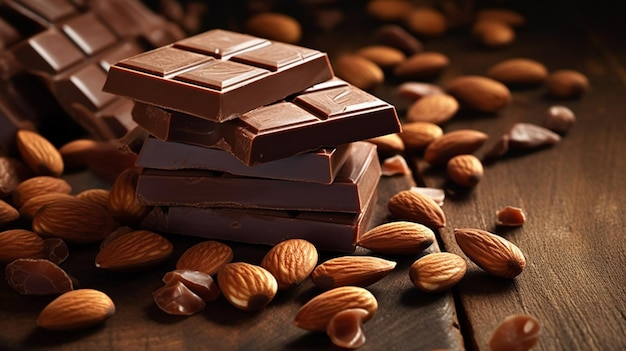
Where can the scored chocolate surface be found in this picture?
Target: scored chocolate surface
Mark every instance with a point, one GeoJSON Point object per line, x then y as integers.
{"type": "Point", "coordinates": [356, 181]}
{"type": "Point", "coordinates": [218, 75]}
{"type": "Point", "coordinates": [327, 114]}
{"type": "Point", "coordinates": [319, 166]}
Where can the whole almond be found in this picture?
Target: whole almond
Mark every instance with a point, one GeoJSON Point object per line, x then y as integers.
{"type": "Point", "coordinates": [510, 17]}
{"type": "Point", "coordinates": [74, 220]}
{"type": "Point", "coordinates": [436, 109]}
{"type": "Point", "coordinates": [413, 206]}
{"type": "Point", "coordinates": [8, 213]}
{"type": "Point", "coordinates": [480, 93]}
{"type": "Point", "coordinates": [291, 261]}
{"type": "Point", "coordinates": [274, 26]}
{"type": "Point", "coordinates": [422, 65]}
{"type": "Point", "coordinates": [566, 84]}
{"type": "Point", "coordinates": [518, 332]}
{"type": "Point", "coordinates": [462, 141]}
{"type": "Point", "coordinates": [397, 238]}
{"type": "Point", "coordinates": [246, 286]}
{"type": "Point", "coordinates": [207, 256]}
{"type": "Point", "coordinates": [519, 71]}
{"type": "Point", "coordinates": [39, 154]}
{"type": "Point", "coordinates": [104, 158]}
{"type": "Point", "coordinates": [358, 71]}
{"type": "Point", "coordinates": [491, 252]}
{"type": "Point", "coordinates": [437, 272]}
{"type": "Point", "coordinates": [426, 21]}
{"type": "Point", "coordinates": [317, 313]}
{"type": "Point", "coordinates": [37, 186]}
{"type": "Point", "coordinates": [397, 37]}
{"type": "Point", "coordinates": [123, 203]}
{"type": "Point", "coordinates": [465, 170]}
{"type": "Point", "coordinates": [388, 143]}
{"type": "Point", "coordinates": [417, 135]}
{"type": "Point", "coordinates": [493, 33]}
{"type": "Point", "coordinates": [30, 207]}
{"type": "Point", "coordinates": [351, 270]}
{"type": "Point", "coordinates": [76, 309]}
{"type": "Point", "coordinates": [97, 196]}
{"type": "Point", "coordinates": [20, 243]}
{"type": "Point", "coordinates": [12, 172]}
{"type": "Point", "coordinates": [383, 56]}
{"type": "Point", "coordinates": [389, 10]}
{"type": "Point", "coordinates": [134, 251]}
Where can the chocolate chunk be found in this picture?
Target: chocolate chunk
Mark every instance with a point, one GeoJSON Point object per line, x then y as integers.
{"type": "Point", "coordinates": [37, 277]}
{"type": "Point", "coordinates": [354, 184]}
{"type": "Point", "coordinates": [218, 75]}
{"type": "Point", "coordinates": [177, 299]}
{"type": "Point", "coordinates": [200, 283]}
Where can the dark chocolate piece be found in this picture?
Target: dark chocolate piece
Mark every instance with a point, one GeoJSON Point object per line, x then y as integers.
{"type": "Point", "coordinates": [326, 115]}
{"type": "Point", "coordinates": [218, 75]}
{"type": "Point", "coordinates": [354, 184]}
{"type": "Point", "coordinates": [319, 166]}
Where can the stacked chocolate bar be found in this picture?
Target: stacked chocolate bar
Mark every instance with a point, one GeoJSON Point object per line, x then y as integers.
{"type": "Point", "coordinates": [253, 141]}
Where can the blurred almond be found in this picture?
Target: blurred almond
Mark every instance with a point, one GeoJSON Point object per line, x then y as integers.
{"type": "Point", "coordinates": [422, 65]}
{"type": "Point", "coordinates": [358, 71]}
{"type": "Point", "coordinates": [37, 186]}
{"type": "Point", "coordinates": [517, 332]}
{"type": "Point", "coordinates": [351, 270]}
{"type": "Point", "coordinates": [135, 251]}
{"type": "Point", "coordinates": [291, 261]}
{"type": "Point", "coordinates": [493, 33]}
{"type": "Point", "coordinates": [417, 135]}
{"type": "Point", "coordinates": [462, 141]}
{"type": "Point", "coordinates": [274, 26]}
{"type": "Point", "coordinates": [510, 17]}
{"type": "Point", "coordinates": [418, 90]}
{"type": "Point", "coordinates": [426, 21]}
{"type": "Point", "coordinates": [412, 206]}
{"type": "Point", "coordinates": [97, 196]}
{"type": "Point", "coordinates": [388, 143]}
{"type": "Point", "coordinates": [207, 257]}
{"type": "Point", "coordinates": [383, 56]}
{"type": "Point", "coordinates": [123, 203]}
{"type": "Point", "coordinates": [518, 71]}
{"type": "Point", "coordinates": [39, 154]}
{"type": "Point", "coordinates": [397, 238]}
{"type": "Point", "coordinates": [479, 93]}
{"type": "Point", "coordinates": [436, 109]}
{"type": "Point", "coordinates": [567, 84]}
{"type": "Point", "coordinates": [389, 10]}
{"type": "Point", "coordinates": [397, 37]}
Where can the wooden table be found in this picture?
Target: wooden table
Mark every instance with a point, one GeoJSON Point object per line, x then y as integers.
{"type": "Point", "coordinates": [572, 193]}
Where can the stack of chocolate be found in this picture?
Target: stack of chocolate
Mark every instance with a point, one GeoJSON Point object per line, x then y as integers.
{"type": "Point", "coordinates": [253, 141]}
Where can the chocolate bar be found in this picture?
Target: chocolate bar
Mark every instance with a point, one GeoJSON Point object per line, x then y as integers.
{"type": "Point", "coordinates": [218, 75]}
{"type": "Point", "coordinates": [356, 180]}
{"type": "Point", "coordinates": [328, 114]}
{"type": "Point", "coordinates": [319, 166]}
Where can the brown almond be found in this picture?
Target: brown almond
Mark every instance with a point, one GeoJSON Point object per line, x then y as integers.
{"type": "Point", "coordinates": [438, 271]}
{"type": "Point", "coordinates": [97, 196]}
{"type": "Point", "coordinates": [12, 173]}
{"type": "Point", "coordinates": [435, 109]}
{"type": "Point", "coordinates": [413, 206]}
{"type": "Point", "coordinates": [417, 135]}
{"type": "Point", "coordinates": [30, 207]}
{"type": "Point", "coordinates": [397, 238]}
{"type": "Point", "coordinates": [510, 216]}
{"type": "Point", "coordinates": [37, 186]}
{"type": "Point", "coordinates": [493, 33]}
{"type": "Point", "coordinates": [20, 243]}
{"type": "Point", "coordinates": [480, 93]}
{"type": "Point", "coordinates": [274, 26]}
{"type": "Point", "coordinates": [383, 56]}
{"type": "Point", "coordinates": [426, 21]}
{"type": "Point", "coordinates": [39, 154]}
{"type": "Point", "coordinates": [465, 170]}
{"type": "Point", "coordinates": [207, 256]}
{"type": "Point", "coordinates": [291, 261]}
{"type": "Point", "coordinates": [517, 332]}
{"type": "Point", "coordinates": [510, 17]}
{"type": "Point", "coordinates": [519, 72]}
{"type": "Point", "coordinates": [123, 203]}
{"type": "Point", "coordinates": [491, 252]}
{"type": "Point", "coordinates": [73, 220]}
{"type": "Point", "coordinates": [317, 313]}
{"type": "Point", "coordinates": [397, 37]}
{"type": "Point", "coordinates": [246, 286]}
{"type": "Point", "coordinates": [388, 143]}
{"type": "Point", "coordinates": [567, 84]}
{"type": "Point", "coordinates": [77, 309]}
{"type": "Point", "coordinates": [105, 159]}
{"type": "Point", "coordinates": [351, 270]}
{"type": "Point", "coordinates": [417, 90]}
{"type": "Point", "coordinates": [422, 65]}
{"type": "Point", "coordinates": [8, 213]}
{"type": "Point", "coordinates": [359, 71]}
{"type": "Point", "coordinates": [389, 10]}
{"type": "Point", "coordinates": [462, 141]}
{"type": "Point", "coordinates": [134, 251]}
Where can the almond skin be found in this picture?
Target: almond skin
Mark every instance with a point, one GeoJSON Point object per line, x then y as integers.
{"type": "Point", "coordinates": [20, 243]}
{"type": "Point", "coordinates": [437, 271]}
{"type": "Point", "coordinates": [123, 203]}
{"type": "Point", "coordinates": [359, 71]}
{"type": "Point", "coordinates": [567, 84]}
{"type": "Point", "coordinates": [422, 65]}
{"type": "Point", "coordinates": [77, 309]}
{"type": "Point", "coordinates": [30, 207]}
{"type": "Point", "coordinates": [274, 26]}
{"type": "Point", "coordinates": [417, 135]}
{"type": "Point", "coordinates": [415, 207]}
{"type": "Point", "coordinates": [246, 286]}
{"type": "Point", "coordinates": [480, 93]}
{"type": "Point", "coordinates": [397, 238]}
{"type": "Point", "coordinates": [291, 262]}
{"type": "Point", "coordinates": [317, 313]}
{"type": "Point", "coordinates": [435, 109]}
{"type": "Point", "coordinates": [519, 72]}
{"type": "Point", "coordinates": [465, 170]}
{"type": "Point", "coordinates": [208, 257]}
{"type": "Point", "coordinates": [134, 251]}
{"type": "Point", "coordinates": [351, 270]}
{"type": "Point", "coordinates": [458, 142]}
{"type": "Point", "coordinates": [39, 154]}
{"type": "Point", "coordinates": [491, 252]}
{"type": "Point", "coordinates": [37, 186]}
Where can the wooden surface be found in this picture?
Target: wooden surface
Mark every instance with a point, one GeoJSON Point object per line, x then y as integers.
{"type": "Point", "coordinates": [573, 195]}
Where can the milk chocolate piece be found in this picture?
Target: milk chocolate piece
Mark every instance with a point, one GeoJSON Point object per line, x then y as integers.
{"type": "Point", "coordinates": [37, 277]}
{"type": "Point", "coordinates": [218, 75]}
{"type": "Point", "coordinates": [354, 184]}
{"type": "Point", "coordinates": [319, 166]}
{"type": "Point", "coordinates": [328, 114]}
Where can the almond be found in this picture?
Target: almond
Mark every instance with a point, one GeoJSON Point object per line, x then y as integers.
{"type": "Point", "coordinates": [359, 71]}
{"type": "Point", "coordinates": [493, 33]}
{"type": "Point", "coordinates": [351, 270]}
{"type": "Point", "coordinates": [397, 238]}
{"type": "Point", "coordinates": [123, 203]}
{"type": "Point", "coordinates": [413, 206]}
{"type": "Point", "coordinates": [30, 207]}
{"type": "Point", "coordinates": [20, 243]}
{"type": "Point", "coordinates": [73, 220]}
{"type": "Point", "coordinates": [516, 332]}
{"type": "Point", "coordinates": [417, 90]}
{"type": "Point", "coordinates": [395, 36]}
{"type": "Point", "coordinates": [389, 10]}
{"type": "Point", "coordinates": [388, 143]}
{"type": "Point", "coordinates": [480, 93]}
{"type": "Point", "coordinates": [274, 26]}
{"type": "Point", "coordinates": [465, 170]}
{"type": "Point", "coordinates": [246, 286]}
{"type": "Point", "coordinates": [458, 142]}
{"type": "Point", "coordinates": [317, 313]}
{"type": "Point", "coordinates": [567, 84]}
{"type": "Point", "coordinates": [8, 213]}
{"type": "Point", "coordinates": [37, 186]}
{"type": "Point", "coordinates": [39, 154]}
{"type": "Point", "coordinates": [76, 309]}
{"type": "Point", "coordinates": [519, 71]}
{"type": "Point", "coordinates": [97, 196]}
{"type": "Point", "coordinates": [435, 109]}
{"type": "Point", "coordinates": [134, 251]}
{"type": "Point", "coordinates": [422, 65]}
{"type": "Point", "coordinates": [12, 173]}
{"type": "Point", "coordinates": [291, 262]}
{"type": "Point", "coordinates": [510, 216]}
{"type": "Point", "coordinates": [417, 135]}
{"type": "Point", "coordinates": [510, 17]}
{"type": "Point", "coordinates": [207, 256]}
{"type": "Point", "coordinates": [426, 21]}
{"type": "Point", "coordinates": [491, 252]}
{"type": "Point", "coordinates": [437, 271]}
{"type": "Point", "coordinates": [382, 55]}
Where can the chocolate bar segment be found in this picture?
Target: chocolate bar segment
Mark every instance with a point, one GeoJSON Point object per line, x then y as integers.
{"type": "Point", "coordinates": [354, 184]}
{"type": "Point", "coordinates": [218, 75]}
{"type": "Point", "coordinates": [326, 115]}
{"type": "Point", "coordinates": [319, 166]}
